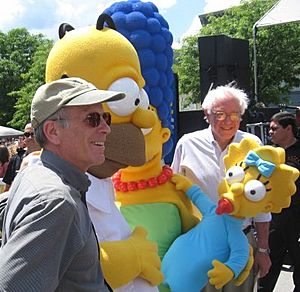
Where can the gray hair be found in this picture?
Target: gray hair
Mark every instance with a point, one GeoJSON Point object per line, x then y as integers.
{"type": "Point", "coordinates": [59, 116]}
{"type": "Point", "coordinates": [222, 93]}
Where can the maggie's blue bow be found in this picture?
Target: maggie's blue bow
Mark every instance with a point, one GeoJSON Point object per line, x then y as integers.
{"type": "Point", "coordinates": [266, 168]}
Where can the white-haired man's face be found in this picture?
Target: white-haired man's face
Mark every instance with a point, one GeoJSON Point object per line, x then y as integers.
{"type": "Point", "coordinates": [224, 119]}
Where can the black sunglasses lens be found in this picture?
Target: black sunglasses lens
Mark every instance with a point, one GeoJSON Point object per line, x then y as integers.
{"type": "Point", "coordinates": [28, 134]}
{"type": "Point", "coordinates": [107, 118]}
{"type": "Point", "coordinates": [94, 119]}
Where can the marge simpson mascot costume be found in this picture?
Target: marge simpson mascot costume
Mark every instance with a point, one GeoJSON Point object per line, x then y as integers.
{"type": "Point", "coordinates": [145, 193]}
{"type": "Point", "coordinates": [257, 180]}
{"type": "Point", "coordinates": [105, 58]}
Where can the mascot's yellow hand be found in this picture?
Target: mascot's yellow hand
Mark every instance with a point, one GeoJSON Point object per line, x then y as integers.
{"type": "Point", "coordinates": [122, 261]}
{"type": "Point", "coordinates": [181, 182]}
{"type": "Point", "coordinates": [245, 273]}
{"type": "Point", "coordinates": [220, 274]}
{"type": "Point", "coordinates": [148, 257]}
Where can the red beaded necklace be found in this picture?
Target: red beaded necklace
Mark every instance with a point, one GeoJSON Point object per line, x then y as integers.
{"type": "Point", "coordinates": [142, 184]}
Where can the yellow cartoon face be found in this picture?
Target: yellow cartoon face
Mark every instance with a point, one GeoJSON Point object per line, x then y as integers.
{"type": "Point", "coordinates": [134, 108]}
{"type": "Point", "coordinates": [260, 182]}
{"type": "Point", "coordinates": [155, 139]}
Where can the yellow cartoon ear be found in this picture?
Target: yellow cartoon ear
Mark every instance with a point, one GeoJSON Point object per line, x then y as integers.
{"type": "Point", "coordinates": [165, 134]}
{"type": "Point", "coordinates": [268, 208]}
{"type": "Point", "coordinates": [295, 174]}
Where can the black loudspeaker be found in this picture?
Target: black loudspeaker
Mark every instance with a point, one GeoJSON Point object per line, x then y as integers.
{"type": "Point", "coordinates": [223, 60]}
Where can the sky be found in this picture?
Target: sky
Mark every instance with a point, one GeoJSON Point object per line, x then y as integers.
{"type": "Point", "coordinates": [45, 16]}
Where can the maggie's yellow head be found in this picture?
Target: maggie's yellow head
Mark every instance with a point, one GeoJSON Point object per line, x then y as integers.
{"type": "Point", "coordinates": [257, 180]}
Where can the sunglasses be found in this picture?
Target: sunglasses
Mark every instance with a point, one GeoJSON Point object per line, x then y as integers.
{"type": "Point", "coordinates": [94, 119]}
{"type": "Point", "coordinates": [28, 134]}
{"type": "Point", "coordinates": [221, 116]}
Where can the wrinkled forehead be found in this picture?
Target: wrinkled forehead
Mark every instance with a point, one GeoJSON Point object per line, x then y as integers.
{"type": "Point", "coordinates": [75, 110]}
{"type": "Point", "coordinates": [226, 104]}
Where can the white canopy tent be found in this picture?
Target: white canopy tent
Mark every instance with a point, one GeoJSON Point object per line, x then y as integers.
{"type": "Point", "coordinates": [6, 132]}
{"type": "Point", "coordinates": [283, 11]}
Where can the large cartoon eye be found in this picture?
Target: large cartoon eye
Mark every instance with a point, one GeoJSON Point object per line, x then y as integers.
{"type": "Point", "coordinates": [254, 190]}
{"type": "Point", "coordinates": [234, 174]}
{"type": "Point", "coordinates": [132, 100]}
{"type": "Point", "coordinates": [144, 99]}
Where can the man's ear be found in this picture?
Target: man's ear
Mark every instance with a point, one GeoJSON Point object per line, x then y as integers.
{"type": "Point", "coordinates": [289, 128]}
{"type": "Point", "coordinates": [206, 116]}
{"type": "Point", "coordinates": [51, 131]}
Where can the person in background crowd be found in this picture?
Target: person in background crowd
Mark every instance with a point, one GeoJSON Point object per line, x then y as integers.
{"type": "Point", "coordinates": [48, 240]}
{"type": "Point", "coordinates": [17, 151]}
{"type": "Point", "coordinates": [4, 158]}
{"type": "Point", "coordinates": [28, 144]}
{"type": "Point", "coordinates": [199, 156]}
{"type": "Point", "coordinates": [298, 120]}
{"type": "Point", "coordinates": [285, 226]}
{"type": "Point", "coordinates": [13, 147]}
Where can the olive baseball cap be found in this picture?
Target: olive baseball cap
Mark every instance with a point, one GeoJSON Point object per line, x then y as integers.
{"type": "Point", "coordinates": [73, 91]}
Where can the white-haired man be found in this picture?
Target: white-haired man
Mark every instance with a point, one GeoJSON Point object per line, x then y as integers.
{"type": "Point", "coordinates": [199, 156]}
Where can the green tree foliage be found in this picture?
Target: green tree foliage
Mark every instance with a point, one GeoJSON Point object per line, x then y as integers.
{"type": "Point", "coordinates": [34, 78]}
{"type": "Point", "coordinates": [17, 49]}
{"type": "Point", "coordinates": [186, 65]}
{"type": "Point", "coordinates": [278, 51]}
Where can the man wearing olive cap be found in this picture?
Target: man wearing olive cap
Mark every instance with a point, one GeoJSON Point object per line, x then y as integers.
{"type": "Point", "coordinates": [48, 240]}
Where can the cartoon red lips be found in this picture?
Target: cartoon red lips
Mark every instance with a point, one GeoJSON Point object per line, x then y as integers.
{"type": "Point", "coordinates": [224, 207]}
